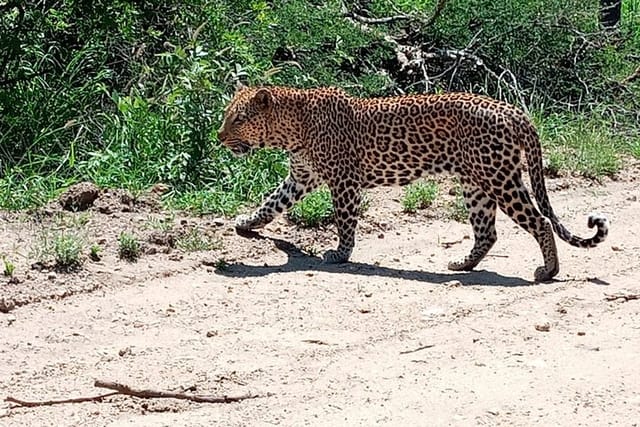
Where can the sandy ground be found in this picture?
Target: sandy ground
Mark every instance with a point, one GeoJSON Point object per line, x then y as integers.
{"type": "Point", "coordinates": [392, 338]}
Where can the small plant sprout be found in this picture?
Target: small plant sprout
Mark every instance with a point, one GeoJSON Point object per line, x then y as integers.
{"type": "Point", "coordinates": [195, 240]}
{"type": "Point", "coordinates": [94, 252]}
{"type": "Point", "coordinates": [419, 195]}
{"type": "Point", "coordinates": [9, 267]}
{"type": "Point", "coordinates": [129, 247]}
{"type": "Point", "coordinates": [458, 209]}
{"type": "Point", "coordinates": [67, 249]}
{"type": "Point", "coordinates": [314, 210]}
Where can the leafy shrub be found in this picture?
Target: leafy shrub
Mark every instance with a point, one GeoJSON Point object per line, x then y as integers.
{"type": "Point", "coordinates": [128, 247]}
{"type": "Point", "coordinates": [314, 210]}
{"type": "Point", "coordinates": [419, 195]}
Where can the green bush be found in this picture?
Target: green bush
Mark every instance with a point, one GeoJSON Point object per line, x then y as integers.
{"type": "Point", "coordinates": [128, 94]}
{"type": "Point", "coordinates": [314, 210]}
{"type": "Point", "coordinates": [419, 195]}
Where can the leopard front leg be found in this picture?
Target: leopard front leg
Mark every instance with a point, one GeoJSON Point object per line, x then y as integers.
{"type": "Point", "coordinates": [482, 215]}
{"type": "Point", "coordinates": [301, 180]}
{"type": "Point", "coordinates": [346, 201]}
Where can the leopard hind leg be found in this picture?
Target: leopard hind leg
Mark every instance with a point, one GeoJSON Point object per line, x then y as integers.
{"type": "Point", "coordinates": [514, 200]}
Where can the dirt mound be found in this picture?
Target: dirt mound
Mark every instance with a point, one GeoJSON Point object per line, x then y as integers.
{"type": "Point", "coordinates": [79, 197]}
{"type": "Point", "coordinates": [86, 195]}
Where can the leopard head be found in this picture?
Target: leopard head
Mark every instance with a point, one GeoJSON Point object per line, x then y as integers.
{"type": "Point", "coordinates": [248, 120]}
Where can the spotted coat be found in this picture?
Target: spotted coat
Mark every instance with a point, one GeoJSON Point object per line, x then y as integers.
{"type": "Point", "coordinates": [353, 144]}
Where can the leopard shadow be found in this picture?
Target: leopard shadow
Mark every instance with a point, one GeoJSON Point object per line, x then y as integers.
{"type": "Point", "coordinates": [299, 261]}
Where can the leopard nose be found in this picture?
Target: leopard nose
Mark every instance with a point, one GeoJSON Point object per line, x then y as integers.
{"type": "Point", "coordinates": [222, 134]}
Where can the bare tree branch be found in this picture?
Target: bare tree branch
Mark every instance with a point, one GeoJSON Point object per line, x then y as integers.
{"type": "Point", "coordinates": [158, 394]}
{"type": "Point", "coordinates": [125, 390]}
{"type": "Point", "coordinates": [33, 404]}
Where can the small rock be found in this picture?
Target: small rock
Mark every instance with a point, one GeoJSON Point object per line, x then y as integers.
{"type": "Point", "coordinates": [159, 189]}
{"type": "Point", "coordinates": [543, 328]}
{"type": "Point", "coordinates": [52, 276]}
{"type": "Point", "coordinates": [6, 305]}
{"type": "Point", "coordinates": [381, 236]}
{"type": "Point", "coordinates": [616, 248]}
{"type": "Point", "coordinates": [453, 283]}
{"type": "Point", "coordinates": [368, 294]}
{"type": "Point", "coordinates": [212, 334]}
{"type": "Point", "coordinates": [150, 250]}
{"type": "Point", "coordinates": [124, 351]}
{"type": "Point", "coordinates": [218, 221]}
{"type": "Point", "coordinates": [10, 319]}
{"type": "Point", "coordinates": [581, 334]}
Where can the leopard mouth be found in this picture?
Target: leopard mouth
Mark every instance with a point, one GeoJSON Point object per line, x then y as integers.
{"type": "Point", "coordinates": [240, 148]}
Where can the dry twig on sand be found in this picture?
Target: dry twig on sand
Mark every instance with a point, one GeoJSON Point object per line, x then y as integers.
{"type": "Point", "coordinates": [125, 390]}
{"type": "Point", "coordinates": [624, 297]}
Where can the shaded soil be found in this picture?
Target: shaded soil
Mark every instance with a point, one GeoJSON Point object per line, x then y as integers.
{"type": "Point", "coordinates": [392, 338]}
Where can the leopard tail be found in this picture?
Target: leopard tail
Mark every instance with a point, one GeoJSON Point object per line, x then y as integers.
{"type": "Point", "coordinates": [531, 143]}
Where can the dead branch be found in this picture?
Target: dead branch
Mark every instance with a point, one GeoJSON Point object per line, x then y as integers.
{"type": "Point", "coordinates": [374, 21]}
{"type": "Point", "coordinates": [125, 390]}
{"type": "Point", "coordinates": [436, 13]}
{"type": "Point", "coordinates": [634, 76]}
{"type": "Point", "coordinates": [32, 404]}
{"type": "Point", "coordinates": [624, 297]}
{"type": "Point", "coordinates": [159, 394]}
{"type": "Point", "coordinates": [424, 347]}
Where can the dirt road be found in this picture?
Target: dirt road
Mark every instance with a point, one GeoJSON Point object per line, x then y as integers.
{"type": "Point", "coordinates": [390, 339]}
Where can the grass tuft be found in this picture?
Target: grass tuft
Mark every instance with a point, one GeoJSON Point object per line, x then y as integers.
{"type": "Point", "coordinates": [67, 249]}
{"type": "Point", "coordinates": [195, 240]}
{"type": "Point", "coordinates": [457, 208]}
{"type": "Point", "coordinates": [419, 195]}
{"type": "Point", "coordinates": [129, 247]}
{"type": "Point", "coordinates": [9, 267]}
{"type": "Point", "coordinates": [314, 210]}
{"type": "Point", "coordinates": [94, 252]}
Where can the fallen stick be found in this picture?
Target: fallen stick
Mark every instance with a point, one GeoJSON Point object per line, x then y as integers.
{"type": "Point", "coordinates": [158, 394]}
{"type": "Point", "coordinates": [625, 297]}
{"type": "Point", "coordinates": [424, 347]}
{"type": "Point", "coordinates": [125, 390]}
{"type": "Point", "coordinates": [30, 404]}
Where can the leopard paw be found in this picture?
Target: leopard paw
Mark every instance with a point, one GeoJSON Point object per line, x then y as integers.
{"type": "Point", "coordinates": [461, 265]}
{"type": "Point", "coordinates": [543, 274]}
{"type": "Point", "coordinates": [334, 257]}
{"type": "Point", "coordinates": [245, 222]}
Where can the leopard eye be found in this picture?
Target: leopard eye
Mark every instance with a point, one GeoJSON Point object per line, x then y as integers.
{"type": "Point", "coordinates": [240, 118]}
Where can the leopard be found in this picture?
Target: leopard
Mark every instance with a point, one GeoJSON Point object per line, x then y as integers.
{"type": "Point", "coordinates": [352, 144]}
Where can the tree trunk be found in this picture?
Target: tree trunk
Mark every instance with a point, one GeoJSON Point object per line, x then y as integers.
{"type": "Point", "coordinates": [610, 13]}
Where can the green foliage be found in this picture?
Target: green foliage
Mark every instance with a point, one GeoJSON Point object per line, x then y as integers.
{"type": "Point", "coordinates": [94, 252]}
{"type": "Point", "coordinates": [128, 247]}
{"type": "Point", "coordinates": [9, 267]}
{"type": "Point", "coordinates": [314, 210]}
{"type": "Point", "coordinates": [419, 195]}
{"type": "Point", "coordinates": [164, 223]}
{"type": "Point", "coordinates": [129, 94]}
{"type": "Point", "coordinates": [196, 240]}
{"type": "Point", "coordinates": [583, 145]}
{"type": "Point", "coordinates": [457, 208]}
{"type": "Point", "coordinates": [59, 248]}
{"type": "Point", "coordinates": [67, 250]}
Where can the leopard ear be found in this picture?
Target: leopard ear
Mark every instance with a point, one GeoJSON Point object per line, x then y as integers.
{"type": "Point", "coordinates": [263, 99]}
{"type": "Point", "coordinates": [240, 86]}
